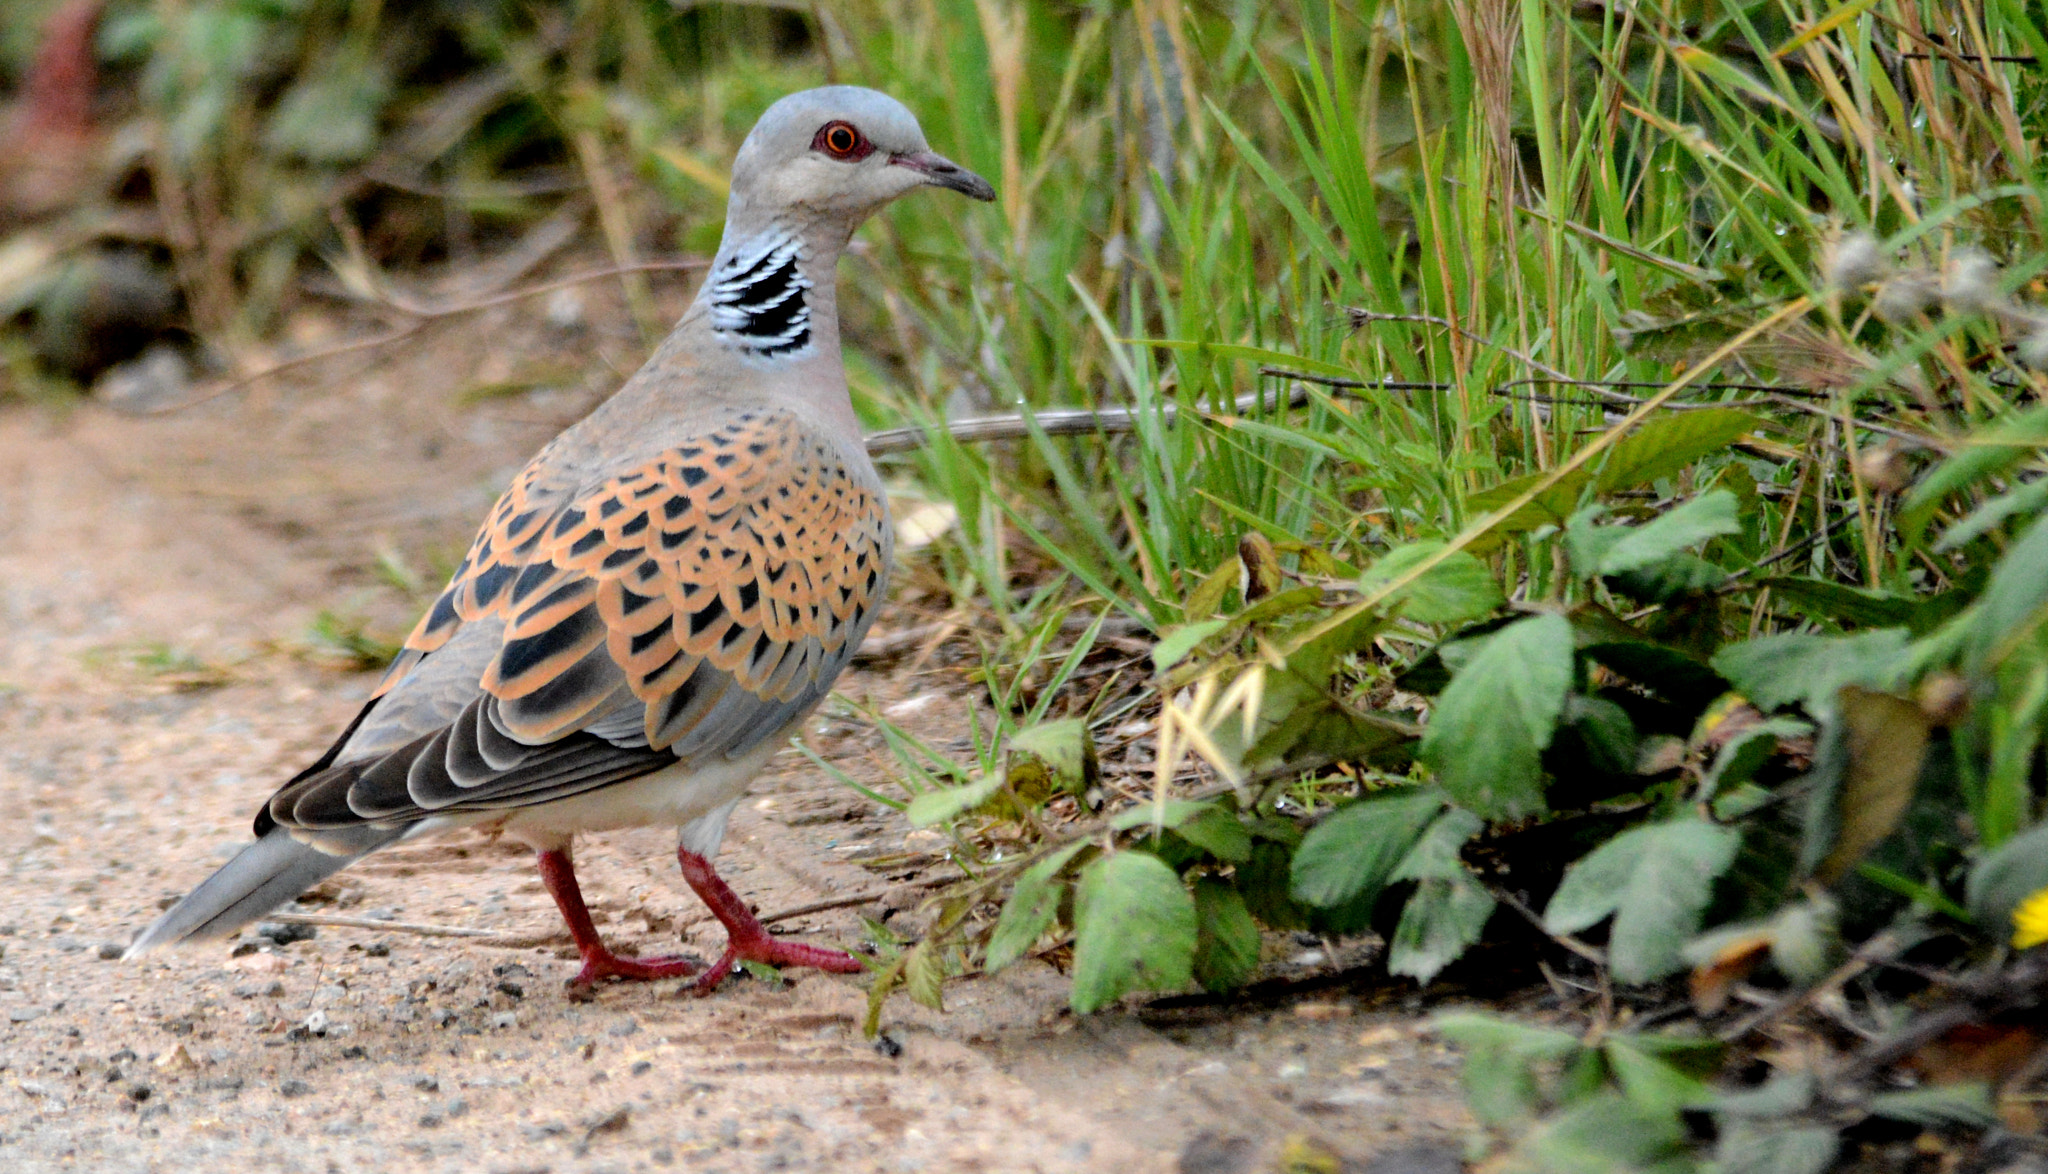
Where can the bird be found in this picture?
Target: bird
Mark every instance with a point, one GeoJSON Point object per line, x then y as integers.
{"type": "Point", "coordinates": [664, 593]}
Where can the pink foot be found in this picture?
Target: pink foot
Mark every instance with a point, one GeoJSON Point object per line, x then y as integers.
{"type": "Point", "coordinates": [599, 963]}
{"type": "Point", "coordinates": [747, 939]}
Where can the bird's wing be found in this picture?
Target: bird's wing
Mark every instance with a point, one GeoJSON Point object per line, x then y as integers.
{"type": "Point", "coordinates": [690, 606]}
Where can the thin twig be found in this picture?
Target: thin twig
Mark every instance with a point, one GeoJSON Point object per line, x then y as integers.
{"type": "Point", "coordinates": [1062, 422]}
{"type": "Point", "coordinates": [417, 929]}
{"type": "Point", "coordinates": [841, 902]}
{"type": "Point", "coordinates": [1360, 316]}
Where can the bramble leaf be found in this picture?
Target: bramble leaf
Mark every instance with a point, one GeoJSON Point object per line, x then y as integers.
{"type": "Point", "coordinates": [1134, 929]}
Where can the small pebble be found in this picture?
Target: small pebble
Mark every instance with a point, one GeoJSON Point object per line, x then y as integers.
{"type": "Point", "coordinates": [108, 951]}
{"type": "Point", "coordinates": [623, 1027]}
{"type": "Point", "coordinates": [284, 933]}
{"type": "Point", "coordinates": [294, 1088]}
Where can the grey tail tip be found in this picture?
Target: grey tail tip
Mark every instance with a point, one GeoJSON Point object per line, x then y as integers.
{"type": "Point", "coordinates": [261, 877]}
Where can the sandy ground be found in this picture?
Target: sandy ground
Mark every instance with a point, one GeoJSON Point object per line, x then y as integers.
{"type": "Point", "coordinates": [157, 579]}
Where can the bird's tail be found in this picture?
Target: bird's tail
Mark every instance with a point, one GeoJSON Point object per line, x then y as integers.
{"type": "Point", "coordinates": [261, 877]}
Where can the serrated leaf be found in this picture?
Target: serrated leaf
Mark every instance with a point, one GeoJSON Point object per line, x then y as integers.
{"type": "Point", "coordinates": [1838, 604]}
{"type": "Point", "coordinates": [1034, 903]}
{"type": "Point", "coordinates": [1066, 749]}
{"type": "Point", "coordinates": [1664, 671]}
{"type": "Point", "coordinates": [1442, 919]}
{"type": "Point", "coordinates": [1647, 1079]}
{"type": "Point", "coordinates": [1664, 446]}
{"type": "Point", "coordinates": [1206, 824]}
{"type": "Point", "coordinates": [1739, 759]}
{"type": "Point", "coordinates": [1351, 854]}
{"type": "Point", "coordinates": [943, 803]}
{"type": "Point", "coordinates": [1486, 738]}
{"type": "Point", "coordinates": [878, 993]}
{"type": "Point", "coordinates": [1808, 669]}
{"type": "Point", "coordinates": [1710, 515]}
{"type": "Point", "coordinates": [1500, 1058]}
{"type": "Point", "coordinates": [1456, 590]}
{"type": "Point", "coordinates": [1655, 881]}
{"type": "Point", "coordinates": [1435, 854]}
{"type": "Point", "coordinates": [1226, 938]}
{"type": "Point", "coordinates": [1604, 1132]}
{"type": "Point", "coordinates": [924, 974]}
{"type": "Point", "coordinates": [1217, 831]}
{"type": "Point", "coordinates": [1748, 1147]}
{"type": "Point", "coordinates": [1134, 929]}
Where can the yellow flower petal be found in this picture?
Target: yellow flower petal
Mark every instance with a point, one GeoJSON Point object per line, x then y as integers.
{"type": "Point", "coordinates": [2030, 921]}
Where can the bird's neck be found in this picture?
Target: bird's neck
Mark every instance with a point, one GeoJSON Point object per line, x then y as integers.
{"type": "Point", "coordinates": [772, 293]}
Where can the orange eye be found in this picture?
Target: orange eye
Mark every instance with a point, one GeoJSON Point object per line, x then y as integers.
{"type": "Point", "coordinates": [841, 141]}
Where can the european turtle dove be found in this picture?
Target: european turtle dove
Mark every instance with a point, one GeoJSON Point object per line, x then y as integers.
{"type": "Point", "coordinates": [663, 594]}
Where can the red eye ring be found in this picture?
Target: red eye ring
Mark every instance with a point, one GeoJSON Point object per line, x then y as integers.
{"type": "Point", "coordinates": [842, 140]}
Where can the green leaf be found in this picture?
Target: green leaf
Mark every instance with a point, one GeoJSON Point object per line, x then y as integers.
{"type": "Point", "coordinates": [1351, 854]}
{"type": "Point", "coordinates": [1174, 646]}
{"type": "Point", "coordinates": [1707, 516]}
{"type": "Point", "coordinates": [2013, 603]}
{"type": "Point", "coordinates": [1742, 755]}
{"type": "Point", "coordinates": [1939, 1106]}
{"type": "Point", "coordinates": [1486, 739]}
{"type": "Point", "coordinates": [1500, 1061]}
{"type": "Point", "coordinates": [1809, 669]}
{"type": "Point", "coordinates": [1649, 1081]}
{"type": "Point", "coordinates": [1667, 672]}
{"type": "Point", "coordinates": [943, 803]}
{"type": "Point", "coordinates": [1748, 1147]}
{"type": "Point", "coordinates": [2024, 500]}
{"type": "Point", "coordinates": [1886, 740]}
{"type": "Point", "coordinates": [1034, 902]}
{"type": "Point", "coordinates": [1837, 604]}
{"type": "Point", "coordinates": [1990, 452]}
{"type": "Point", "coordinates": [1206, 824]}
{"type": "Point", "coordinates": [1134, 929]}
{"type": "Point", "coordinates": [1456, 590]}
{"type": "Point", "coordinates": [924, 973]}
{"type": "Point", "coordinates": [1050, 757]}
{"type": "Point", "coordinates": [1442, 918]}
{"type": "Point", "coordinates": [1664, 446]}
{"type": "Point", "coordinates": [1226, 938]}
{"type": "Point", "coordinates": [1218, 832]}
{"type": "Point", "coordinates": [1604, 1133]}
{"type": "Point", "coordinates": [1655, 881]}
{"type": "Point", "coordinates": [2014, 871]}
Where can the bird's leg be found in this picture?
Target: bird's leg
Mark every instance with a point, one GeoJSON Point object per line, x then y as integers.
{"type": "Point", "coordinates": [746, 938]}
{"type": "Point", "coordinates": [598, 962]}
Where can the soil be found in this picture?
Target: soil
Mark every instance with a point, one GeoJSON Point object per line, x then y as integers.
{"type": "Point", "coordinates": [159, 577]}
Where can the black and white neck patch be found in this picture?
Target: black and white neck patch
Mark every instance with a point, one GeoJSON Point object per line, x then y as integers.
{"type": "Point", "coordinates": [757, 297]}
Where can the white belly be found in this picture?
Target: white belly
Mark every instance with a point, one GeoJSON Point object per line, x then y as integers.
{"type": "Point", "coordinates": [683, 794]}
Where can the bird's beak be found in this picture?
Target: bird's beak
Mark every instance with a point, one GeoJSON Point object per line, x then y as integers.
{"type": "Point", "coordinates": [940, 171]}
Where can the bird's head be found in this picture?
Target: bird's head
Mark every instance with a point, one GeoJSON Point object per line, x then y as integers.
{"type": "Point", "coordinates": [841, 151]}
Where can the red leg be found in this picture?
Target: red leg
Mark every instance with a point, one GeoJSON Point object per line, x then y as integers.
{"type": "Point", "coordinates": [746, 937]}
{"type": "Point", "coordinates": [598, 962]}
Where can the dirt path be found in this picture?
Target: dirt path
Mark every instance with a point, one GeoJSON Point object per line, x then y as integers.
{"type": "Point", "coordinates": [156, 577]}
